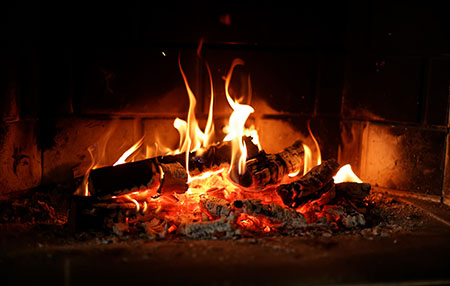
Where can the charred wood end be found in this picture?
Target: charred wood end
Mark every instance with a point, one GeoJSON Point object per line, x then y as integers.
{"type": "Point", "coordinates": [353, 190]}
{"type": "Point", "coordinates": [318, 179]}
{"type": "Point", "coordinates": [122, 179]}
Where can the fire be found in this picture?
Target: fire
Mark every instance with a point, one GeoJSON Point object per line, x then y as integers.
{"type": "Point", "coordinates": [175, 208]}
{"type": "Point", "coordinates": [253, 223]}
{"type": "Point", "coordinates": [316, 144]}
{"type": "Point", "coordinates": [236, 128]}
{"type": "Point", "coordinates": [345, 174]}
{"type": "Point", "coordinates": [129, 152]}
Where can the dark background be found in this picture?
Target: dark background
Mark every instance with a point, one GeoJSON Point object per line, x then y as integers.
{"type": "Point", "coordinates": [336, 62]}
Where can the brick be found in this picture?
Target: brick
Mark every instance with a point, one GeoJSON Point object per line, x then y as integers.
{"type": "Point", "coordinates": [438, 92]}
{"type": "Point", "coordinates": [73, 138]}
{"type": "Point", "coordinates": [134, 80]}
{"type": "Point", "coordinates": [404, 158]}
{"type": "Point", "coordinates": [350, 149]}
{"type": "Point", "coordinates": [383, 87]}
{"type": "Point", "coordinates": [330, 83]}
{"type": "Point", "coordinates": [283, 80]}
{"type": "Point", "coordinates": [161, 132]}
{"type": "Point", "coordinates": [417, 28]}
{"type": "Point", "coordinates": [446, 184]}
{"type": "Point", "coordinates": [9, 86]}
{"type": "Point", "coordinates": [20, 159]}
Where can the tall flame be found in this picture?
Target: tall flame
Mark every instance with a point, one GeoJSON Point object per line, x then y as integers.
{"type": "Point", "coordinates": [194, 136]}
{"type": "Point", "coordinates": [209, 129]}
{"type": "Point", "coordinates": [191, 136]}
{"type": "Point", "coordinates": [236, 125]}
{"type": "Point", "coordinates": [308, 164]}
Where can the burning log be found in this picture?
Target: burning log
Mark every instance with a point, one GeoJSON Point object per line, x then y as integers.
{"type": "Point", "coordinates": [284, 217]}
{"type": "Point", "coordinates": [218, 208]}
{"type": "Point", "coordinates": [266, 169]}
{"type": "Point", "coordinates": [289, 218]}
{"type": "Point", "coordinates": [126, 178]}
{"type": "Point", "coordinates": [318, 180]}
{"type": "Point", "coordinates": [159, 174]}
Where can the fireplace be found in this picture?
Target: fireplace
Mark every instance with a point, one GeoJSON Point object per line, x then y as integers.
{"type": "Point", "coordinates": [368, 83]}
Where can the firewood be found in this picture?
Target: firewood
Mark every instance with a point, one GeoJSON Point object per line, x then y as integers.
{"type": "Point", "coordinates": [90, 213]}
{"type": "Point", "coordinates": [159, 174]}
{"type": "Point", "coordinates": [326, 197]}
{"type": "Point", "coordinates": [218, 208]}
{"type": "Point", "coordinates": [285, 217]}
{"type": "Point", "coordinates": [319, 178]}
{"type": "Point", "coordinates": [351, 190]}
{"type": "Point", "coordinates": [123, 179]}
{"type": "Point", "coordinates": [265, 169]}
{"type": "Point", "coordinates": [289, 218]}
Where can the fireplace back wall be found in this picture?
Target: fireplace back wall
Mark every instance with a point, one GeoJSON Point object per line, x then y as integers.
{"type": "Point", "coordinates": [372, 77]}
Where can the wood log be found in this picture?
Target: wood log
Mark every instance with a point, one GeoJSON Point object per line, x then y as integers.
{"type": "Point", "coordinates": [351, 190]}
{"type": "Point", "coordinates": [289, 218]}
{"type": "Point", "coordinates": [266, 169]}
{"type": "Point", "coordinates": [319, 178]}
{"type": "Point", "coordinates": [90, 213]}
{"type": "Point", "coordinates": [218, 208]}
{"type": "Point", "coordinates": [286, 217]}
{"type": "Point", "coordinates": [126, 178]}
{"type": "Point", "coordinates": [159, 174]}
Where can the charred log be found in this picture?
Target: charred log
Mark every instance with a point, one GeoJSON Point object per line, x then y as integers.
{"type": "Point", "coordinates": [126, 178]}
{"type": "Point", "coordinates": [89, 213]}
{"type": "Point", "coordinates": [159, 174]}
{"type": "Point", "coordinates": [289, 218]}
{"type": "Point", "coordinates": [351, 190]}
{"type": "Point", "coordinates": [266, 169]}
{"type": "Point", "coordinates": [218, 208]}
{"type": "Point", "coordinates": [316, 182]}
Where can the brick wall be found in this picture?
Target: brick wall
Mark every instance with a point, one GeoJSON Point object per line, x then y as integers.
{"type": "Point", "coordinates": [373, 78]}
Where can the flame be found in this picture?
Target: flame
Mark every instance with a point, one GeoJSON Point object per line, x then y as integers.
{"type": "Point", "coordinates": [345, 174]}
{"type": "Point", "coordinates": [254, 223]}
{"type": "Point", "coordinates": [128, 153]}
{"type": "Point", "coordinates": [308, 164]}
{"type": "Point", "coordinates": [236, 125]}
{"type": "Point", "coordinates": [253, 133]}
{"type": "Point", "coordinates": [134, 201]}
{"type": "Point", "coordinates": [191, 136]}
{"type": "Point", "coordinates": [209, 129]}
{"type": "Point", "coordinates": [316, 144]}
{"type": "Point", "coordinates": [84, 188]}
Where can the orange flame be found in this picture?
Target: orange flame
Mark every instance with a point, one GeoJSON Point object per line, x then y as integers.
{"type": "Point", "coordinates": [236, 125]}
{"type": "Point", "coordinates": [84, 188]}
{"type": "Point", "coordinates": [191, 136]}
{"type": "Point", "coordinates": [316, 144]}
{"type": "Point", "coordinates": [128, 153]}
{"type": "Point", "coordinates": [345, 174]}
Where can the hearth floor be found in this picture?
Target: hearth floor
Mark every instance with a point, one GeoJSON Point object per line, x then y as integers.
{"type": "Point", "coordinates": [44, 254]}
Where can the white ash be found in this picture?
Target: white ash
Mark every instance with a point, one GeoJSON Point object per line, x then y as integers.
{"type": "Point", "coordinates": [203, 230]}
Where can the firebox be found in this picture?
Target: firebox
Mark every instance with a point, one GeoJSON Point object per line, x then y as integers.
{"type": "Point", "coordinates": [230, 123]}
